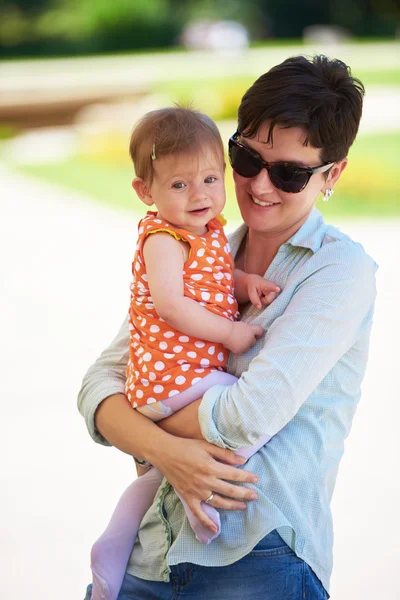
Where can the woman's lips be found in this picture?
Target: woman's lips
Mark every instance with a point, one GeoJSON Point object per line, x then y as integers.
{"type": "Point", "coordinates": [263, 204]}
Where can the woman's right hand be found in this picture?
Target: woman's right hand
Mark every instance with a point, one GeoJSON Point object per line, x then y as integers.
{"type": "Point", "coordinates": [197, 469]}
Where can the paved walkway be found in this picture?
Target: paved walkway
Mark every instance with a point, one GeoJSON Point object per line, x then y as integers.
{"type": "Point", "coordinates": [64, 287]}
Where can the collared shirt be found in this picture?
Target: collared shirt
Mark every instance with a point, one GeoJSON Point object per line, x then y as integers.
{"type": "Point", "coordinates": [300, 385]}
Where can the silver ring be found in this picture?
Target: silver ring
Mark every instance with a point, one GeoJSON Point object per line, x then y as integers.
{"type": "Point", "coordinates": [209, 499]}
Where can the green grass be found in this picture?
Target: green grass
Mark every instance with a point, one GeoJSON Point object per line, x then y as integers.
{"type": "Point", "coordinates": [367, 187]}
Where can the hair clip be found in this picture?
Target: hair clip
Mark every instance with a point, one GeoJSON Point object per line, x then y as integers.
{"type": "Point", "coordinates": [153, 152]}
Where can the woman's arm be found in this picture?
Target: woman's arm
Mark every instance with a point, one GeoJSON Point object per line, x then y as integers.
{"type": "Point", "coordinates": [329, 310]}
{"type": "Point", "coordinates": [193, 467]}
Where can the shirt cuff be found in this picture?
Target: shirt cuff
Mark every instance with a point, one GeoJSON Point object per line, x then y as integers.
{"type": "Point", "coordinates": [96, 397]}
{"type": "Point", "coordinates": [206, 417]}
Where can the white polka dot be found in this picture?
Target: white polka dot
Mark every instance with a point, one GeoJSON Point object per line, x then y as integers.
{"type": "Point", "coordinates": [168, 355]}
{"type": "Point", "coordinates": [177, 349]}
{"type": "Point", "coordinates": [221, 356]}
{"type": "Point", "coordinates": [203, 303]}
{"type": "Point", "coordinates": [137, 266]}
{"type": "Point", "coordinates": [211, 350]}
{"type": "Point", "coordinates": [214, 252]}
{"type": "Point", "coordinates": [169, 334]}
{"type": "Point", "coordinates": [143, 323]}
{"type": "Point", "coordinates": [147, 357]}
{"type": "Point", "coordinates": [204, 362]}
{"type": "Point", "coordinates": [144, 277]}
{"type": "Point", "coordinates": [191, 237]}
{"type": "Point", "coordinates": [159, 366]}
{"type": "Point", "coordinates": [193, 265]}
{"type": "Point", "coordinates": [214, 235]}
{"type": "Point", "coordinates": [192, 354]}
{"type": "Point", "coordinates": [166, 377]}
{"type": "Point", "coordinates": [218, 276]}
{"type": "Point", "coordinates": [199, 344]}
{"type": "Point", "coordinates": [219, 297]}
{"type": "Point", "coordinates": [154, 329]}
{"type": "Point", "coordinates": [139, 394]}
{"type": "Point", "coordinates": [185, 367]}
{"type": "Point", "coordinates": [205, 295]}
{"type": "Point", "coordinates": [207, 269]}
{"type": "Point", "coordinates": [228, 276]}
{"type": "Point", "coordinates": [231, 300]}
{"type": "Point", "coordinates": [215, 244]}
{"type": "Point", "coordinates": [196, 277]}
{"type": "Point", "coordinates": [152, 376]}
{"type": "Point", "coordinates": [182, 361]}
{"type": "Point", "coordinates": [140, 231]}
{"type": "Point", "coordinates": [195, 380]}
{"type": "Point", "coordinates": [158, 389]}
{"type": "Point", "coordinates": [199, 370]}
{"type": "Point", "coordinates": [163, 345]}
{"type": "Point", "coordinates": [151, 400]}
{"type": "Point", "coordinates": [140, 350]}
{"type": "Point", "coordinates": [183, 338]}
{"type": "Point", "coordinates": [173, 393]}
{"type": "Point", "coordinates": [144, 382]}
{"type": "Point", "coordinates": [152, 339]}
{"type": "Point", "coordinates": [201, 252]}
{"type": "Point", "coordinates": [210, 260]}
{"type": "Point", "coordinates": [149, 306]}
{"type": "Point", "coordinates": [144, 369]}
{"type": "Point", "coordinates": [180, 380]}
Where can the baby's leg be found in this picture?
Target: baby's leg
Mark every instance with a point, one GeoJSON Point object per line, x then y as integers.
{"type": "Point", "coordinates": [159, 410]}
{"type": "Point", "coordinates": [110, 553]}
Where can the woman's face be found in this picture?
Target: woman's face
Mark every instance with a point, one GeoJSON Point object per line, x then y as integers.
{"type": "Point", "coordinates": [282, 213]}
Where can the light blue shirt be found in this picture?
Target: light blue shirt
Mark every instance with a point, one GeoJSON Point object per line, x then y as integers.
{"type": "Point", "coordinates": [300, 384]}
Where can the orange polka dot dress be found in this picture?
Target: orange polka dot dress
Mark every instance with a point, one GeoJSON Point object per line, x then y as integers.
{"type": "Point", "coordinates": [164, 362]}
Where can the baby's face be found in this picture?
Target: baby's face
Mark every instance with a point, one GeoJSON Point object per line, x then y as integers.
{"type": "Point", "coordinates": [188, 190]}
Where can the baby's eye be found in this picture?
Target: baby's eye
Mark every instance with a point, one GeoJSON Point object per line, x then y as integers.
{"type": "Point", "coordinates": [210, 179]}
{"type": "Point", "coordinates": [179, 185]}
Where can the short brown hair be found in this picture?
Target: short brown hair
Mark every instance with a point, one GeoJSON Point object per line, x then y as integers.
{"type": "Point", "coordinates": [172, 130]}
{"type": "Point", "coordinates": [317, 94]}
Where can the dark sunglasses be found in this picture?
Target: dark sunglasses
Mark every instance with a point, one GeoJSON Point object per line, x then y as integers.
{"type": "Point", "coordinates": [285, 176]}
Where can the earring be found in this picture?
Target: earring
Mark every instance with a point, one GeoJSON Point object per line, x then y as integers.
{"type": "Point", "coordinates": [327, 195]}
{"type": "Point", "coordinates": [153, 152]}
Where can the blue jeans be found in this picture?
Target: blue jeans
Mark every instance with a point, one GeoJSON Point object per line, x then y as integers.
{"type": "Point", "coordinates": [271, 571]}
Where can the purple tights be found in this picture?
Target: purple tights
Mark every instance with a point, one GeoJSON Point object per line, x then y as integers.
{"type": "Point", "coordinates": [111, 552]}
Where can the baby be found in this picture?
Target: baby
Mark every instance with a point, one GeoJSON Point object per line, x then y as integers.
{"type": "Point", "coordinates": [184, 304]}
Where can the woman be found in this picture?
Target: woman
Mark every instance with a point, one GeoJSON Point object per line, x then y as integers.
{"type": "Point", "coordinates": [299, 385]}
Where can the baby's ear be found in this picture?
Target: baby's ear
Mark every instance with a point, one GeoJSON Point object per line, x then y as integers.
{"type": "Point", "coordinates": [143, 190]}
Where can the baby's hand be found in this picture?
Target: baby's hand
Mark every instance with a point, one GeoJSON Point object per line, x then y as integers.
{"type": "Point", "coordinates": [243, 336]}
{"type": "Point", "coordinates": [261, 291]}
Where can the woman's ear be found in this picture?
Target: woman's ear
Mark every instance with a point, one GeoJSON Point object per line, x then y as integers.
{"type": "Point", "coordinates": [143, 191]}
{"type": "Point", "coordinates": [334, 174]}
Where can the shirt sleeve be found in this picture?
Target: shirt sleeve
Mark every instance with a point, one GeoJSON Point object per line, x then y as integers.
{"type": "Point", "coordinates": [104, 378]}
{"type": "Point", "coordinates": [330, 308]}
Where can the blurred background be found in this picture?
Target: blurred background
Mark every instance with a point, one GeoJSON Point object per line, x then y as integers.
{"type": "Point", "coordinates": [75, 75]}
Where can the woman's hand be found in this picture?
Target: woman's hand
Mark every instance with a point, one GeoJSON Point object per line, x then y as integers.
{"type": "Point", "coordinates": [197, 469]}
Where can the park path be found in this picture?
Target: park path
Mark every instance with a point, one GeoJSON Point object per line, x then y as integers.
{"type": "Point", "coordinates": [64, 288]}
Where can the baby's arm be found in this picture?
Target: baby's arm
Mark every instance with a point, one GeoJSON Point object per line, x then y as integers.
{"type": "Point", "coordinates": [165, 257]}
{"type": "Point", "coordinates": [254, 288]}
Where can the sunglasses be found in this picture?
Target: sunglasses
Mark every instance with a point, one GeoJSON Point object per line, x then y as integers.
{"type": "Point", "coordinates": [285, 176]}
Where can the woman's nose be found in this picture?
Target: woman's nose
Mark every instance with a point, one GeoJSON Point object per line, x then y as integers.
{"type": "Point", "coordinates": [261, 184]}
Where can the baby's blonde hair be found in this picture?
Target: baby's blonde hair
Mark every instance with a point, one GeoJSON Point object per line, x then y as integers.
{"type": "Point", "coordinates": [173, 130]}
